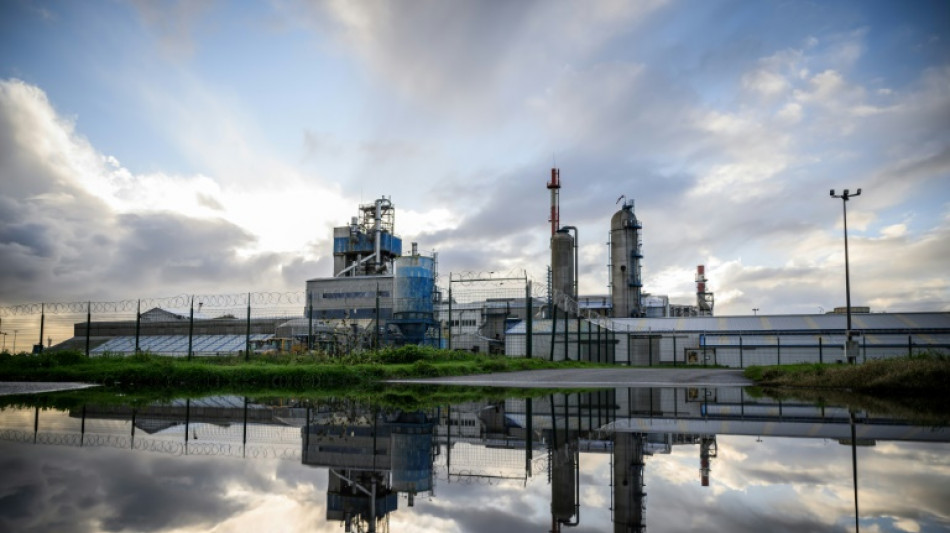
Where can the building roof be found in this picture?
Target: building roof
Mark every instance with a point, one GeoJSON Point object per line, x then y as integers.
{"type": "Point", "coordinates": [812, 323]}
{"type": "Point", "coordinates": [878, 322]}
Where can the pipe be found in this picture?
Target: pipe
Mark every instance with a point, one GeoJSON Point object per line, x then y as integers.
{"type": "Point", "coordinates": [354, 265]}
{"type": "Point", "coordinates": [568, 229]}
{"type": "Point", "coordinates": [378, 229]}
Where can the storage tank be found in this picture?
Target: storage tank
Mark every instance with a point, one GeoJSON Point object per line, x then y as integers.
{"type": "Point", "coordinates": [562, 267]}
{"type": "Point", "coordinates": [625, 259]}
{"type": "Point", "coordinates": [412, 459]}
{"type": "Point", "coordinates": [413, 287]}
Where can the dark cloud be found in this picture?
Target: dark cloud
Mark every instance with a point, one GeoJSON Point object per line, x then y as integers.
{"type": "Point", "coordinates": [59, 242]}
{"type": "Point", "coordinates": [80, 490]}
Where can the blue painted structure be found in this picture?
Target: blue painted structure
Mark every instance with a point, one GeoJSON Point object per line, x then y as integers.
{"type": "Point", "coordinates": [364, 243]}
{"type": "Point", "coordinates": [413, 290]}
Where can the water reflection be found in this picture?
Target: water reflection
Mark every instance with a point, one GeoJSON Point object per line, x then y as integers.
{"type": "Point", "coordinates": [713, 459]}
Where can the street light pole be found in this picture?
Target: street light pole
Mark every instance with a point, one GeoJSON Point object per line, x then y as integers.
{"type": "Point", "coordinates": [848, 346]}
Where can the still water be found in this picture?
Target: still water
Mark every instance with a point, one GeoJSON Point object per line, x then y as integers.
{"type": "Point", "coordinates": [613, 460]}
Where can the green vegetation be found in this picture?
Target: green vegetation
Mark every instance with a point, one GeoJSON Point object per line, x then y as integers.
{"type": "Point", "coordinates": [405, 397]}
{"type": "Point", "coordinates": [301, 372]}
{"type": "Point", "coordinates": [923, 374]}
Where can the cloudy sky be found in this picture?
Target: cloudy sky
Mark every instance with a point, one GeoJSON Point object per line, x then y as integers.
{"type": "Point", "coordinates": [162, 148]}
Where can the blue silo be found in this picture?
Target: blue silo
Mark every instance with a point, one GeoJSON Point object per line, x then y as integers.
{"type": "Point", "coordinates": [413, 290]}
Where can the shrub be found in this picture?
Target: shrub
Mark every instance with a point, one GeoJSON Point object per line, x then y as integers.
{"type": "Point", "coordinates": [68, 357]}
{"type": "Point", "coordinates": [424, 369]}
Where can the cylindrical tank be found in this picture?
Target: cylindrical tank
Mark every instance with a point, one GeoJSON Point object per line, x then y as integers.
{"type": "Point", "coordinates": [625, 259]}
{"type": "Point", "coordinates": [413, 285]}
{"type": "Point", "coordinates": [412, 461]}
{"type": "Point", "coordinates": [562, 266]}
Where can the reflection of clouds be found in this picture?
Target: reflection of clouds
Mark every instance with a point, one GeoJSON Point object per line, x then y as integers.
{"type": "Point", "coordinates": [779, 484]}
{"type": "Point", "coordinates": [801, 485]}
{"type": "Point", "coordinates": [46, 488]}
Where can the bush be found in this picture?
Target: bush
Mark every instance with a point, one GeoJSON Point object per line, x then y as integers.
{"type": "Point", "coordinates": [424, 369]}
{"type": "Point", "coordinates": [409, 353]}
{"type": "Point", "coordinates": [68, 357]}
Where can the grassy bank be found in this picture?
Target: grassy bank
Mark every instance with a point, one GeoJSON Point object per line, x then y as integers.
{"type": "Point", "coordinates": [924, 374]}
{"type": "Point", "coordinates": [287, 371]}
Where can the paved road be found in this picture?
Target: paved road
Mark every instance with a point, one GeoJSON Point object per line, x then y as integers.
{"type": "Point", "coordinates": [19, 387]}
{"type": "Point", "coordinates": [598, 377]}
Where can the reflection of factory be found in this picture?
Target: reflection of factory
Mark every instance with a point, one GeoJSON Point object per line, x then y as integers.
{"type": "Point", "coordinates": [371, 456]}
{"type": "Point", "coordinates": [375, 457]}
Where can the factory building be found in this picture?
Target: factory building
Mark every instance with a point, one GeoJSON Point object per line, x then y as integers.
{"type": "Point", "coordinates": [388, 296]}
{"type": "Point", "coordinates": [735, 341]}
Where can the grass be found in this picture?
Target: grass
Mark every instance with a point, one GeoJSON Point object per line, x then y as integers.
{"type": "Point", "coordinates": [305, 371]}
{"type": "Point", "coordinates": [405, 397]}
{"type": "Point", "coordinates": [923, 374]}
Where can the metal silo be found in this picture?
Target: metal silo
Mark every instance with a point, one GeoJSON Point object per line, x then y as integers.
{"type": "Point", "coordinates": [563, 268]}
{"type": "Point", "coordinates": [625, 256]}
{"type": "Point", "coordinates": [413, 288]}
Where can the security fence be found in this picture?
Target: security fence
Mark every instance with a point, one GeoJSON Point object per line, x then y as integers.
{"type": "Point", "coordinates": [187, 325]}
{"type": "Point", "coordinates": [506, 314]}
{"type": "Point", "coordinates": [743, 348]}
{"type": "Point", "coordinates": [513, 315]}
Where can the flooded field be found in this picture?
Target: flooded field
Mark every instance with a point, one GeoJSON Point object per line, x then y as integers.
{"type": "Point", "coordinates": [627, 459]}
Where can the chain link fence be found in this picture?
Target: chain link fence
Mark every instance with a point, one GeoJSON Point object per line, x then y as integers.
{"type": "Point", "coordinates": [487, 313]}
{"type": "Point", "coordinates": [740, 349]}
{"type": "Point", "coordinates": [185, 325]}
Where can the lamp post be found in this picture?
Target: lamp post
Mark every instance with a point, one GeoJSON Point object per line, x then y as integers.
{"type": "Point", "coordinates": [755, 311]}
{"type": "Point", "coordinates": [849, 347]}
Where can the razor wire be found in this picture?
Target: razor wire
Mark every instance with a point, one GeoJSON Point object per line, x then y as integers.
{"type": "Point", "coordinates": [181, 301]}
{"type": "Point", "coordinates": [472, 276]}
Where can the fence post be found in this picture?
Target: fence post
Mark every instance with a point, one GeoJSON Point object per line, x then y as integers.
{"type": "Point", "coordinates": [590, 340]}
{"type": "Point", "coordinates": [674, 349]}
{"type": "Point", "coordinates": [247, 331]}
{"type": "Point", "coordinates": [191, 326]}
{"type": "Point", "coordinates": [598, 342]}
{"type": "Point", "coordinates": [553, 328]}
{"type": "Point", "coordinates": [821, 354]}
{"type": "Point", "coordinates": [310, 317]}
{"type": "Point", "coordinates": [778, 350]}
{"type": "Point", "coordinates": [88, 325]}
{"type": "Point", "coordinates": [42, 323]}
{"type": "Point", "coordinates": [138, 324]}
{"type": "Point", "coordinates": [529, 321]}
{"type": "Point", "coordinates": [864, 344]}
{"type": "Point", "coordinates": [567, 334]}
{"type": "Point", "coordinates": [577, 338]}
{"type": "Point", "coordinates": [910, 346]}
{"type": "Point", "coordinates": [376, 333]}
{"type": "Point", "coordinates": [450, 311]}
{"type": "Point", "coordinates": [612, 348]}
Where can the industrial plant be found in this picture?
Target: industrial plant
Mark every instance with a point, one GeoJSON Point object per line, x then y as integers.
{"type": "Point", "coordinates": [380, 295]}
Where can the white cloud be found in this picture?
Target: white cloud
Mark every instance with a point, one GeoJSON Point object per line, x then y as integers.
{"type": "Point", "coordinates": [77, 223]}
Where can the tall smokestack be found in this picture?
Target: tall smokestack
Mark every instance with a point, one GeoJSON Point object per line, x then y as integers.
{"type": "Point", "coordinates": [555, 187]}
